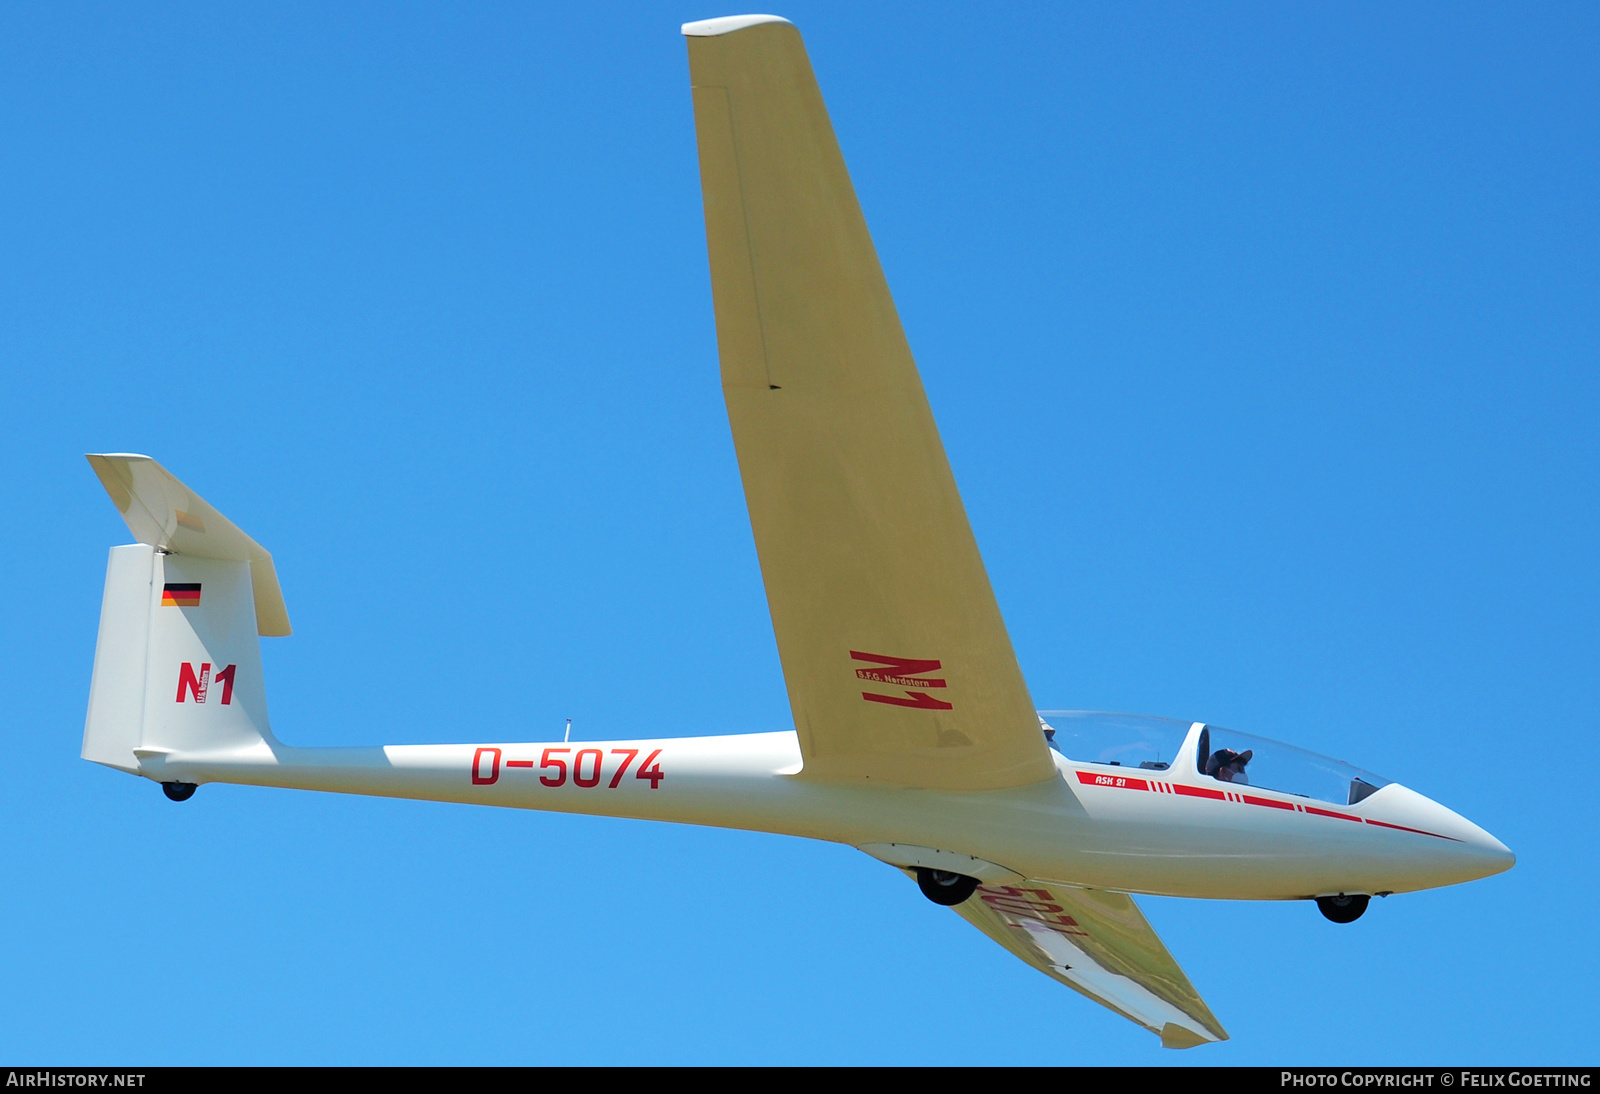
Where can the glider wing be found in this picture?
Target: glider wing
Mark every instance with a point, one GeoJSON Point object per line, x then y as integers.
{"type": "Point", "coordinates": [1100, 944]}
{"type": "Point", "coordinates": [898, 665]}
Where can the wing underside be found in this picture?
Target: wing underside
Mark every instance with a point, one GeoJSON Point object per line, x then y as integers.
{"type": "Point", "coordinates": [1100, 944]}
{"type": "Point", "coordinates": [897, 662]}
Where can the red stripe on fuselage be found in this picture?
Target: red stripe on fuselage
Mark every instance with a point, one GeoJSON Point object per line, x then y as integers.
{"type": "Point", "coordinates": [1403, 828]}
{"type": "Point", "coordinates": [1250, 800]}
{"type": "Point", "coordinates": [1199, 791]}
{"type": "Point", "coordinates": [1331, 813]}
{"type": "Point", "coordinates": [1124, 782]}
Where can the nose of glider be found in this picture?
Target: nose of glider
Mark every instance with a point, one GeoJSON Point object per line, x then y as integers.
{"type": "Point", "coordinates": [1462, 851]}
{"type": "Point", "coordinates": [1487, 855]}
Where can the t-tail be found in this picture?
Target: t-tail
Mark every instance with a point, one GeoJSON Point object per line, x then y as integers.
{"type": "Point", "coordinates": [177, 667]}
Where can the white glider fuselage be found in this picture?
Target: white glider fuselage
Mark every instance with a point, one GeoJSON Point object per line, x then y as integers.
{"type": "Point", "coordinates": [1166, 832]}
{"type": "Point", "coordinates": [1042, 864]}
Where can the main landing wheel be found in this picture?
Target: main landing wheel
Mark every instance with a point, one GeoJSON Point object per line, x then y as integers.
{"type": "Point", "coordinates": [179, 792]}
{"type": "Point", "coordinates": [1342, 908]}
{"type": "Point", "coordinates": [943, 887]}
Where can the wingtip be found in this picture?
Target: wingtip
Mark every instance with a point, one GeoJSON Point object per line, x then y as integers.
{"type": "Point", "coordinates": [727, 24]}
{"type": "Point", "coordinates": [1175, 1036]}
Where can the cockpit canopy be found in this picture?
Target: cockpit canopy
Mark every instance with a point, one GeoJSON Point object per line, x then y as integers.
{"type": "Point", "coordinates": [1120, 740]}
{"type": "Point", "coordinates": [1158, 744]}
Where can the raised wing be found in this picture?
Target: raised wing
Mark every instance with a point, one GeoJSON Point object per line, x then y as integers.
{"type": "Point", "coordinates": [1100, 944]}
{"type": "Point", "coordinates": [164, 513]}
{"type": "Point", "coordinates": [897, 662]}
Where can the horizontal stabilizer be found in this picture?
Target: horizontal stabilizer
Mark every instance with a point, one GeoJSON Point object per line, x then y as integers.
{"type": "Point", "coordinates": [166, 514]}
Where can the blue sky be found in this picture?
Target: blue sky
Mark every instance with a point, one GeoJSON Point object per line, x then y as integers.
{"type": "Point", "coordinates": [1262, 340]}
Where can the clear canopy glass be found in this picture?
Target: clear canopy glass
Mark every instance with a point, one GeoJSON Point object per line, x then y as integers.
{"type": "Point", "coordinates": [1247, 760]}
{"type": "Point", "coordinates": [1126, 740]}
{"type": "Point", "coordinates": [1155, 744]}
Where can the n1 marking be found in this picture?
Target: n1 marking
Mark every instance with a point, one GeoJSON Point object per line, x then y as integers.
{"type": "Point", "coordinates": [189, 683]}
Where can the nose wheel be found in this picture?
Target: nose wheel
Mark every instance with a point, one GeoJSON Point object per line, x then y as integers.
{"type": "Point", "coordinates": [943, 887]}
{"type": "Point", "coordinates": [1342, 908]}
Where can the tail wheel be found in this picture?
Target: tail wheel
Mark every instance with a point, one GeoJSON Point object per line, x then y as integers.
{"type": "Point", "coordinates": [1342, 908]}
{"type": "Point", "coordinates": [943, 887]}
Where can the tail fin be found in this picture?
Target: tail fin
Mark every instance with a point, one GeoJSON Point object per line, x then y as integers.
{"type": "Point", "coordinates": [177, 667]}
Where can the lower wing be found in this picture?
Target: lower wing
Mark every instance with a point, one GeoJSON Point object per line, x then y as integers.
{"type": "Point", "coordinates": [1100, 944]}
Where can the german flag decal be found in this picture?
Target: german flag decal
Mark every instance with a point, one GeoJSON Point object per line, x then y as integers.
{"type": "Point", "coordinates": [180, 594]}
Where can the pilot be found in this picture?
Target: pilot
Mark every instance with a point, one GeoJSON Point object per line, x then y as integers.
{"type": "Point", "coordinates": [1227, 765]}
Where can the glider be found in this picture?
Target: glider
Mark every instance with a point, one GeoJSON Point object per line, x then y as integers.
{"type": "Point", "coordinates": [915, 738]}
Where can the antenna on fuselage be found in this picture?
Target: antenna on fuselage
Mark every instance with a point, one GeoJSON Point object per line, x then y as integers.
{"type": "Point", "coordinates": [568, 735]}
